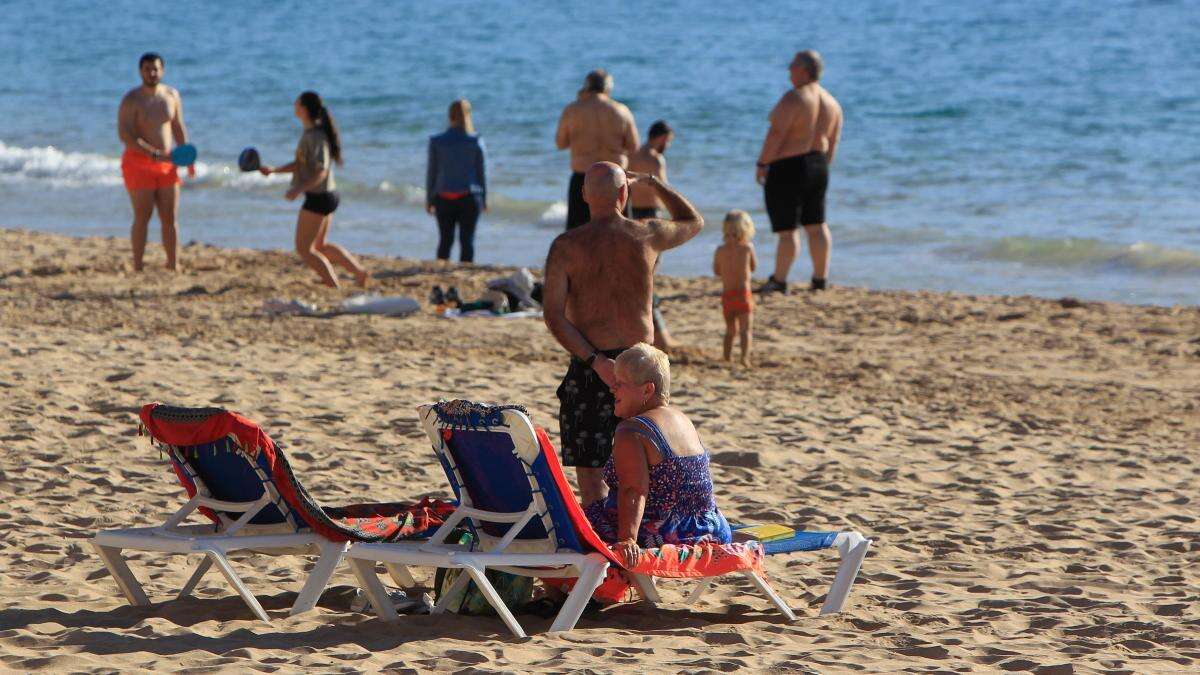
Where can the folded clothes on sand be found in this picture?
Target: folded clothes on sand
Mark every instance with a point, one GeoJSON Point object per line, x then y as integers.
{"type": "Point", "coordinates": [379, 304]}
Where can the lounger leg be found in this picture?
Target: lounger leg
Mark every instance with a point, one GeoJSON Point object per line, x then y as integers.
{"type": "Point", "coordinates": [646, 589]}
{"type": "Point", "coordinates": [495, 600]}
{"type": "Point", "coordinates": [591, 574]}
{"type": "Point", "coordinates": [194, 580]}
{"type": "Point", "coordinates": [846, 574]}
{"type": "Point", "coordinates": [331, 556]}
{"type": "Point", "coordinates": [364, 571]}
{"type": "Point", "coordinates": [129, 585]}
{"type": "Point", "coordinates": [766, 589]}
{"type": "Point", "coordinates": [700, 589]}
{"type": "Point", "coordinates": [234, 580]}
{"type": "Point", "coordinates": [400, 575]}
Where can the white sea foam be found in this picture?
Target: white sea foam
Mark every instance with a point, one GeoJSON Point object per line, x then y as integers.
{"type": "Point", "coordinates": [57, 168]}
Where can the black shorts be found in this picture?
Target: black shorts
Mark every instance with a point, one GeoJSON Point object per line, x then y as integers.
{"type": "Point", "coordinates": [578, 212]}
{"type": "Point", "coordinates": [322, 203]}
{"type": "Point", "coordinates": [795, 191]}
{"type": "Point", "coordinates": [586, 416]}
{"type": "Point", "coordinates": [643, 212]}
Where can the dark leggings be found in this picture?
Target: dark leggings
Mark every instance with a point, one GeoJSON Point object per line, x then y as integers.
{"type": "Point", "coordinates": [463, 213]}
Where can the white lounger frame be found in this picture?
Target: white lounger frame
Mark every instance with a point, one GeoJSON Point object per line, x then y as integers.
{"type": "Point", "coordinates": [590, 568]}
{"type": "Point", "coordinates": [216, 543]}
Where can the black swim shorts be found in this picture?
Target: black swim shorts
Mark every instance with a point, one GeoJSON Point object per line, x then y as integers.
{"type": "Point", "coordinates": [586, 416]}
{"type": "Point", "coordinates": [643, 212]}
{"type": "Point", "coordinates": [321, 203]}
{"type": "Point", "coordinates": [795, 191]}
{"type": "Point", "coordinates": [578, 212]}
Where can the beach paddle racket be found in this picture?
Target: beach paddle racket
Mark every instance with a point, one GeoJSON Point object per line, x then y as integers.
{"type": "Point", "coordinates": [248, 160]}
{"type": "Point", "coordinates": [184, 155]}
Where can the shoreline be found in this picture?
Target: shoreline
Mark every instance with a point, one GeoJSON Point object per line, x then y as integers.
{"type": "Point", "coordinates": [764, 248]}
{"type": "Point", "coordinates": [1026, 467]}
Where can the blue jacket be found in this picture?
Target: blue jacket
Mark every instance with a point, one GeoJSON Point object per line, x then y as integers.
{"type": "Point", "coordinates": [456, 164]}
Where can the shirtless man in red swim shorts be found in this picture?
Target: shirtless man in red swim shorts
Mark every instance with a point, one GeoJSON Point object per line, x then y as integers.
{"type": "Point", "coordinates": [150, 124]}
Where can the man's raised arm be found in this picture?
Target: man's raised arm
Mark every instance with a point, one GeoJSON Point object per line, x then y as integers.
{"type": "Point", "coordinates": [554, 303]}
{"type": "Point", "coordinates": [685, 223]}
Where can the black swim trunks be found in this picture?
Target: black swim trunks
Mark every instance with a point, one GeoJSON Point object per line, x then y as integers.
{"type": "Point", "coordinates": [795, 191]}
{"type": "Point", "coordinates": [578, 212]}
{"type": "Point", "coordinates": [586, 417]}
{"type": "Point", "coordinates": [643, 212]}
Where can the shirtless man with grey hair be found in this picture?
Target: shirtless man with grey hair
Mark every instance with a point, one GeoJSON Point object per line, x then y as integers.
{"type": "Point", "coordinates": [596, 129]}
{"type": "Point", "coordinates": [150, 124]}
{"type": "Point", "coordinates": [793, 168]}
{"type": "Point", "coordinates": [596, 301]}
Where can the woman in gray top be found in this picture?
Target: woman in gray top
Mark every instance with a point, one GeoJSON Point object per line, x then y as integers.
{"type": "Point", "coordinates": [456, 182]}
{"type": "Point", "coordinates": [312, 175]}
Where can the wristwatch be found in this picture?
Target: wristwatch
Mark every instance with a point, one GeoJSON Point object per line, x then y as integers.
{"type": "Point", "coordinates": [591, 358]}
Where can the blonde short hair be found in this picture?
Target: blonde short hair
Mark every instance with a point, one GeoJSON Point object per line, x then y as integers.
{"type": "Point", "coordinates": [645, 363]}
{"type": "Point", "coordinates": [738, 226]}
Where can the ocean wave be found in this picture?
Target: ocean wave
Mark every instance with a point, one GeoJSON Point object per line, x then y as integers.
{"type": "Point", "coordinates": [57, 168]}
{"type": "Point", "coordinates": [1083, 253]}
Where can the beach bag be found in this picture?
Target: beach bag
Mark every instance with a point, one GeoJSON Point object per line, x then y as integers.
{"type": "Point", "coordinates": [516, 591]}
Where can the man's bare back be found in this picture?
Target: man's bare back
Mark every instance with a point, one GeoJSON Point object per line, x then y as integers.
{"type": "Point", "coordinates": [597, 129]}
{"type": "Point", "coordinates": [609, 270]}
{"type": "Point", "coordinates": [600, 276]}
{"type": "Point", "coordinates": [809, 119]}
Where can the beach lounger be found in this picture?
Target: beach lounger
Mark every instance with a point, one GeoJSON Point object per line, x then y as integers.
{"type": "Point", "coordinates": [236, 476]}
{"type": "Point", "coordinates": [514, 497]}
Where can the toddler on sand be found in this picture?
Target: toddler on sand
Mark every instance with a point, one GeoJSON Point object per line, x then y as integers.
{"type": "Point", "coordinates": [734, 262]}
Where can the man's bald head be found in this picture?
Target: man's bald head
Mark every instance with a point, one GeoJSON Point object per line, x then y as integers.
{"type": "Point", "coordinates": [605, 188]}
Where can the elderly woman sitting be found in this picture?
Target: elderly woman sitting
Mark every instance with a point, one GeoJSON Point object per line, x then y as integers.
{"type": "Point", "coordinates": [659, 487]}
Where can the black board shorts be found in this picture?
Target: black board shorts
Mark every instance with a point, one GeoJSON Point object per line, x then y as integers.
{"type": "Point", "coordinates": [321, 203]}
{"type": "Point", "coordinates": [587, 418]}
{"type": "Point", "coordinates": [643, 212]}
{"type": "Point", "coordinates": [795, 191]}
{"type": "Point", "coordinates": [578, 212]}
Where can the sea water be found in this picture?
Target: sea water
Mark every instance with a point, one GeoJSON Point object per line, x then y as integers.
{"type": "Point", "coordinates": [1016, 147]}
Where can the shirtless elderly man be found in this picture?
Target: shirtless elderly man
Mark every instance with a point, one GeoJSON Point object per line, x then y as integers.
{"type": "Point", "coordinates": [150, 124]}
{"type": "Point", "coordinates": [596, 129]}
{"type": "Point", "coordinates": [596, 301]}
{"type": "Point", "coordinates": [806, 125]}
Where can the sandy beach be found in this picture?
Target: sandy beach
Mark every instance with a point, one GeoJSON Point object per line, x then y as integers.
{"type": "Point", "coordinates": [1027, 468]}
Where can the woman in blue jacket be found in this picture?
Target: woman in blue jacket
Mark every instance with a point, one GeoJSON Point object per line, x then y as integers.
{"type": "Point", "coordinates": [456, 182]}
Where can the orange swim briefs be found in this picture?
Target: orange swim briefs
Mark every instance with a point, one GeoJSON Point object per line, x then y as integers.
{"type": "Point", "coordinates": [141, 172]}
{"type": "Point", "coordinates": [736, 302]}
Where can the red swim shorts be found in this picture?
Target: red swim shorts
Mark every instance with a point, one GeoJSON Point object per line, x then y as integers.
{"type": "Point", "coordinates": [143, 173]}
{"type": "Point", "coordinates": [736, 302]}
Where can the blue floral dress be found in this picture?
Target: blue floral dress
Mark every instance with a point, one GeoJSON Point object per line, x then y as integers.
{"type": "Point", "coordinates": [680, 507]}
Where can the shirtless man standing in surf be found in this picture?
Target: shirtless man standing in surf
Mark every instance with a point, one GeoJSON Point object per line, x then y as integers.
{"type": "Point", "coordinates": [596, 129]}
{"type": "Point", "coordinates": [793, 168]}
{"type": "Point", "coordinates": [596, 302]}
{"type": "Point", "coordinates": [150, 124]}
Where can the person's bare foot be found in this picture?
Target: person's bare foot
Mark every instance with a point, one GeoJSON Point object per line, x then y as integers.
{"type": "Point", "coordinates": [745, 362]}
